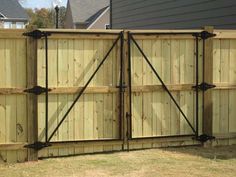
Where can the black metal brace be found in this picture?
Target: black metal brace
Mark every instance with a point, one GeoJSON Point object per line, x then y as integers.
{"type": "Point", "coordinates": [37, 34]}
{"type": "Point", "coordinates": [38, 145]}
{"type": "Point", "coordinates": [128, 119]}
{"type": "Point", "coordinates": [204, 138]}
{"type": "Point", "coordinates": [204, 35]}
{"type": "Point", "coordinates": [204, 86]}
{"type": "Point", "coordinates": [37, 90]}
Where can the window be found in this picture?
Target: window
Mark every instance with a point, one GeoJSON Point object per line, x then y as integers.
{"type": "Point", "coordinates": [7, 25]}
{"type": "Point", "coordinates": [20, 25]}
{"type": "Point", "coordinates": [107, 26]}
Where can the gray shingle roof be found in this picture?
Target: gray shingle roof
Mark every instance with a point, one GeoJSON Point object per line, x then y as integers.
{"type": "Point", "coordinates": [91, 19]}
{"type": "Point", "coordinates": [82, 10]}
{"type": "Point", "coordinates": [12, 9]}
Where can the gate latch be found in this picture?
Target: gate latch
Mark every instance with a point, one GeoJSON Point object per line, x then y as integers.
{"type": "Point", "coordinates": [37, 145]}
{"type": "Point", "coordinates": [37, 90]}
{"type": "Point", "coordinates": [204, 86]}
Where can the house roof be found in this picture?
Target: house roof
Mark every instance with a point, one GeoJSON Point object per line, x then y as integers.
{"type": "Point", "coordinates": [12, 9]}
{"type": "Point", "coordinates": [91, 19]}
{"type": "Point", "coordinates": [86, 11]}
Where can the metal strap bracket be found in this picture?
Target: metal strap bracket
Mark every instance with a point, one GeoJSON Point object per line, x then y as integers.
{"type": "Point", "coordinates": [37, 34]}
{"type": "Point", "coordinates": [37, 145]}
{"type": "Point", "coordinates": [204, 35]}
{"type": "Point", "coordinates": [204, 86]}
{"type": "Point", "coordinates": [204, 138]}
{"type": "Point", "coordinates": [37, 90]}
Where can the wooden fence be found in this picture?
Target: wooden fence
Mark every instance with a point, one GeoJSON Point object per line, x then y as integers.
{"type": "Point", "coordinates": [100, 120]}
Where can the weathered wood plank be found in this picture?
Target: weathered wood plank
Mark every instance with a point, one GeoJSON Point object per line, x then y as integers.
{"type": "Point", "coordinates": [216, 93]}
{"type": "Point", "coordinates": [32, 113]}
{"type": "Point", "coordinates": [63, 99]}
{"type": "Point", "coordinates": [108, 99]}
{"type": "Point", "coordinates": [137, 81]}
{"type": "Point", "coordinates": [88, 98]}
{"type": "Point", "coordinates": [3, 130]}
{"type": "Point", "coordinates": [175, 79]}
{"type": "Point", "coordinates": [232, 93]}
{"type": "Point", "coordinates": [166, 54]}
{"type": "Point", "coordinates": [11, 80]}
{"type": "Point", "coordinates": [53, 99]}
{"type": "Point", "coordinates": [156, 98]}
{"type": "Point", "coordinates": [224, 95]}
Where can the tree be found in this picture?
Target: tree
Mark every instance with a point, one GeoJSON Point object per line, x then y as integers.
{"type": "Point", "coordinates": [62, 16]}
{"type": "Point", "coordinates": [46, 18]}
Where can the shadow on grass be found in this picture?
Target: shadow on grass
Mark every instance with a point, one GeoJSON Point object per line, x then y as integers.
{"type": "Point", "coordinates": [216, 153]}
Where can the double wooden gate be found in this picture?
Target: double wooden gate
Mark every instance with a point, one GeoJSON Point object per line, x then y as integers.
{"type": "Point", "coordinates": [129, 107]}
{"type": "Point", "coordinates": [96, 92]}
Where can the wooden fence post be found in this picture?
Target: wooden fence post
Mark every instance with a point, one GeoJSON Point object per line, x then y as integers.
{"type": "Point", "coordinates": [31, 98]}
{"type": "Point", "coordinates": [208, 69]}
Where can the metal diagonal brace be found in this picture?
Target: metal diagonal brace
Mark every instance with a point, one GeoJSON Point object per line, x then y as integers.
{"type": "Point", "coordinates": [163, 84]}
{"type": "Point", "coordinates": [86, 85]}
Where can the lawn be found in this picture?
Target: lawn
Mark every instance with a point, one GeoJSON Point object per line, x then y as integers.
{"type": "Point", "coordinates": [185, 161]}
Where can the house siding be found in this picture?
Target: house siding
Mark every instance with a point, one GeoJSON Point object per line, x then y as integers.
{"type": "Point", "coordinates": [173, 14]}
{"type": "Point", "coordinates": [1, 24]}
{"type": "Point", "coordinates": [13, 22]}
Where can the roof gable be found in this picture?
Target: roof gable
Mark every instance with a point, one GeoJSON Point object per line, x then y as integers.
{"type": "Point", "coordinates": [91, 19]}
{"type": "Point", "coordinates": [83, 10]}
{"type": "Point", "coordinates": [12, 9]}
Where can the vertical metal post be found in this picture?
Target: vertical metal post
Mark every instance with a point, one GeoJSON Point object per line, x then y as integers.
{"type": "Point", "coordinates": [46, 94]}
{"type": "Point", "coordinates": [121, 84]}
{"type": "Point", "coordinates": [57, 16]}
{"type": "Point", "coordinates": [197, 89]}
{"type": "Point", "coordinates": [130, 89]}
{"type": "Point", "coordinates": [203, 79]}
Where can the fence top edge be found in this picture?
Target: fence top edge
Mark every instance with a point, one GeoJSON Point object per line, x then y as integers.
{"type": "Point", "coordinates": [12, 30]}
{"type": "Point", "coordinates": [165, 31]}
{"type": "Point", "coordinates": [81, 31]}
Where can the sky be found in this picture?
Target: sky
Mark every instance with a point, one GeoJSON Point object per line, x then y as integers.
{"type": "Point", "coordinates": [40, 3]}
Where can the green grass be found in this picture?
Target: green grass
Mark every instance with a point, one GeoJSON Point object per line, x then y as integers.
{"type": "Point", "coordinates": [188, 161]}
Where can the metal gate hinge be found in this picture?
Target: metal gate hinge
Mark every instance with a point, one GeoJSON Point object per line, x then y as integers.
{"type": "Point", "coordinates": [204, 35]}
{"type": "Point", "coordinates": [38, 145]}
{"type": "Point", "coordinates": [204, 138]}
{"type": "Point", "coordinates": [37, 34]}
{"type": "Point", "coordinates": [37, 90]}
{"type": "Point", "coordinates": [204, 86]}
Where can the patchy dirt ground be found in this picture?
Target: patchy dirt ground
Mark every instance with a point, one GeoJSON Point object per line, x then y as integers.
{"type": "Point", "coordinates": [188, 161]}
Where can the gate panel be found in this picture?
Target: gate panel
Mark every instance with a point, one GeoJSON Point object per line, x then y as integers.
{"type": "Point", "coordinates": [13, 104]}
{"type": "Point", "coordinates": [153, 112]}
{"type": "Point", "coordinates": [224, 67]}
{"type": "Point", "coordinates": [96, 114]}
